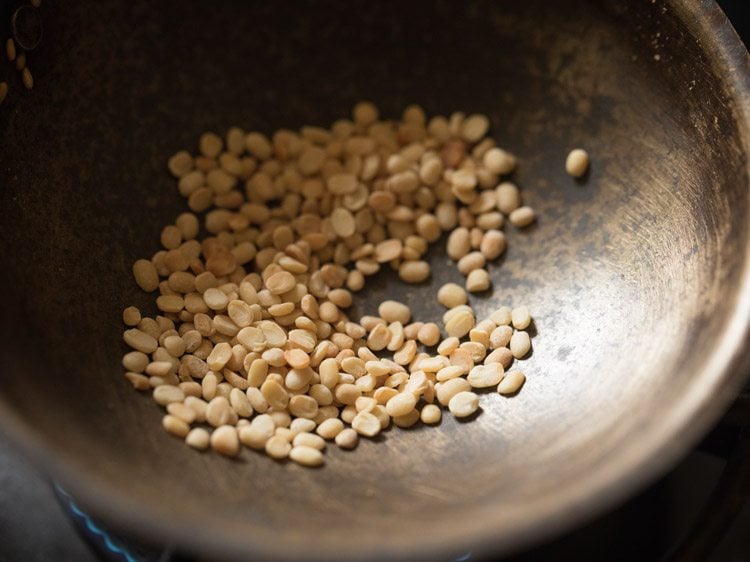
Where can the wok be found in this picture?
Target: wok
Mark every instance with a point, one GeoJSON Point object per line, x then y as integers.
{"type": "Point", "coordinates": [637, 276]}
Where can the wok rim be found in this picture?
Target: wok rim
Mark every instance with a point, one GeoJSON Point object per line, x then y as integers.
{"type": "Point", "coordinates": [625, 472]}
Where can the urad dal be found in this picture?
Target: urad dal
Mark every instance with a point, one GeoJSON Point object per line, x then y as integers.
{"type": "Point", "coordinates": [253, 346]}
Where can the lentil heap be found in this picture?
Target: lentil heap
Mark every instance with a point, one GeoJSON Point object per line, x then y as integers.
{"type": "Point", "coordinates": [253, 346]}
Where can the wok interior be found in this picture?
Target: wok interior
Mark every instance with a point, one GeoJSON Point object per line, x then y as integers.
{"type": "Point", "coordinates": [630, 274]}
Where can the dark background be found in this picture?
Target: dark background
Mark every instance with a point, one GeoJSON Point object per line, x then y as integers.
{"type": "Point", "coordinates": [738, 12]}
{"type": "Point", "coordinates": [33, 526]}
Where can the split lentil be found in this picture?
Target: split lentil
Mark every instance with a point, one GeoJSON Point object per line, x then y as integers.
{"type": "Point", "coordinates": [198, 438]}
{"type": "Point", "coordinates": [577, 162]}
{"type": "Point", "coordinates": [430, 414]}
{"type": "Point", "coordinates": [463, 404]}
{"type": "Point", "coordinates": [306, 456]}
{"type": "Point", "coordinates": [478, 281]}
{"type": "Point", "coordinates": [224, 440]}
{"type": "Point", "coordinates": [175, 426]}
{"type": "Point", "coordinates": [511, 383]}
{"type": "Point", "coordinates": [521, 217]}
{"type": "Point", "coordinates": [347, 439]}
{"type": "Point", "coordinates": [26, 77]}
{"type": "Point", "coordinates": [255, 345]}
{"type": "Point", "coordinates": [10, 49]}
{"type": "Point", "coordinates": [451, 295]}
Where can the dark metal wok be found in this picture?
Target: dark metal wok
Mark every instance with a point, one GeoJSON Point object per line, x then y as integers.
{"type": "Point", "coordinates": [638, 276]}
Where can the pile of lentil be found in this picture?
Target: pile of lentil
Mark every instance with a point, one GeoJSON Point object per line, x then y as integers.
{"type": "Point", "coordinates": [253, 346]}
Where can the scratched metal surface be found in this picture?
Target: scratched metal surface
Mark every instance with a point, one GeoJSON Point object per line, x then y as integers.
{"type": "Point", "coordinates": [636, 276]}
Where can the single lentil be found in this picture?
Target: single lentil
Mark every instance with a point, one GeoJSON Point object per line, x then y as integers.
{"type": "Point", "coordinates": [511, 383]}
{"type": "Point", "coordinates": [175, 426]}
{"type": "Point", "coordinates": [452, 295]}
{"type": "Point", "coordinates": [463, 404]}
{"type": "Point", "coordinates": [347, 439]}
{"type": "Point", "coordinates": [198, 438]}
{"type": "Point", "coordinates": [225, 440]}
{"type": "Point", "coordinates": [520, 344]}
{"type": "Point", "coordinates": [577, 162]}
{"type": "Point", "coordinates": [520, 317]}
{"type": "Point", "coordinates": [430, 414]}
{"type": "Point", "coordinates": [306, 456]}
{"type": "Point", "coordinates": [521, 217]}
{"type": "Point", "coordinates": [10, 49]}
{"type": "Point", "coordinates": [26, 77]}
{"type": "Point", "coordinates": [477, 281]}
